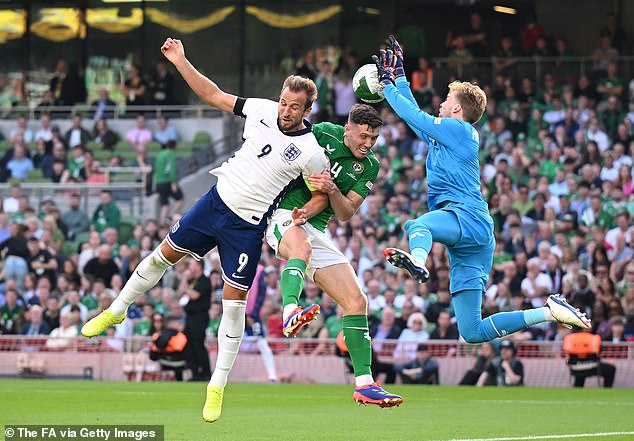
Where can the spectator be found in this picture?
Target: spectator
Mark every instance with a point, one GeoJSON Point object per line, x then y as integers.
{"type": "Point", "coordinates": [62, 337]}
{"type": "Point", "coordinates": [20, 165]}
{"type": "Point", "coordinates": [15, 253]}
{"type": "Point", "coordinates": [385, 330]}
{"type": "Point", "coordinates": [23, 130]}
{"type": "Point", "coordinates": [445, 330]}
{"type": "Point", "coordinates": [134, 88]}
{"type": "Point", "coordinates": [75, 219]}
{"type": "Point", "coordinates": [35, 325]}
{"type": "Point", "coordinates": [102, 134]}
{"type": "Point", "coordinates": [11, 312]}
{"type": "Point", "coordinates": [44, 132]}
{"type": "Point", "coordinates": [76, 135]}
{"type": "Point", "coordinates": [510, 370]}
{"type": "Point", "coordinates": [613, 30]}
{"type": "Point", "coordinates": [604, 55]}
{"type": "Point", "coordinates": [410, 336]}
{"type": "Point", "coordinates": [103, 266]}
{"type": "Point", "coordinates": [107, 213]}
{"type": "Point", "coordinates": [73, 302]}
{"type": "Point", "coordinates": [483, 372]}
{"type": "Point", "coordinates": [66, 86]}
{"type": "Point", "coordinates": [165, 132]}
{"type": "Point", "coordinates": [41, 261]}
{"type": "Point", "coordinates": [579, 347]}
{"type": "Point", "coordinates": [196, 290]}
{"type": "Point", "coordinates": [530, 33]}
{"type": "Point", "coordinates": [103, 107]}
{"type": "Point", "coordinates": [162, 85]}
{"type": "Point", "coordinates": [140, 135]}
{"type": "Point", "coordinates": [421, 370]}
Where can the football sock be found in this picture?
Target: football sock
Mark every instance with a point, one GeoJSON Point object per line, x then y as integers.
{"type": "Point", "coordinates": [147, 274]}
{"type": "Point", "coordinates": [420, 242]}
{"type": "Point", "coordinates": [536, 315]}
{"type": "Point", "coordinates": [230, 333]}
{"type": "Point", "coordinates": [292, 283]}
{"type": "Point", "coordinates": [467, 306]}
{"type": "Point", "coordinates": [267, 358]}
{"type": "Point", "coordinates": [356, 334]}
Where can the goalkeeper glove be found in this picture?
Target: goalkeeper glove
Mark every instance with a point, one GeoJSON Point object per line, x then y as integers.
{"type": "Point", "coordinates": [385, 67]}
{"type": "Point", "coordinates": [393, 45]}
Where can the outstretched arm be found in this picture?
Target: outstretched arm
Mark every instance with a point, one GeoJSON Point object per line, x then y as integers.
{"type": "Point", "coordinates": [206, 89]}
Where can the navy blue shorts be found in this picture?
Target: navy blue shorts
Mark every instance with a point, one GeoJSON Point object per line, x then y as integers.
{"type": "Point", "coordinates": [210, 223]}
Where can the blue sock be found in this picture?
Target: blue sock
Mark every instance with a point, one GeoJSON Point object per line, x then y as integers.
{"type": "Point", "coordinates": [420, 242]}
{"type": "Point", "coordinates": [534, 316]}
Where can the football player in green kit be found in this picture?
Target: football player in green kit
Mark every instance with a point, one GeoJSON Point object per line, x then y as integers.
{"type": "Point", "coordinates": [353, 170]}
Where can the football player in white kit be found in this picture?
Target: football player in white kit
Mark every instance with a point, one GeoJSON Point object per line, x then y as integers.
{"type": "Point", "coordinates": [278, 150]}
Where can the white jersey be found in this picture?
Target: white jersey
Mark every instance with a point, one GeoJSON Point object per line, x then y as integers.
{"type": "Point", "coordinates": [252, 182]}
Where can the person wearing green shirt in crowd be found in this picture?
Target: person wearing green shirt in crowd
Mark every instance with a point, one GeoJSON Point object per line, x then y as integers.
{"type": "Point", "coordinates": [106, 214]}
{"type": "Point", "coordinates": [166, 179]}
{"type": "Point", "coordinates": [298, 235]}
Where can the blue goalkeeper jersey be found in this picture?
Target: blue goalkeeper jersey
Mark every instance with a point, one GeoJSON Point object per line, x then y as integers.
{"type": "Point", "coordinates": [453, 168]}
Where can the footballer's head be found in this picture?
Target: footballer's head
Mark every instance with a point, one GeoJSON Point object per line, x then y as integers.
{"type": "Point", "coordinates": [362, 129]}
{"type": "Point", "coordinates": [465, 101]}
{"type": "Point", "coordinates": [296, 100]}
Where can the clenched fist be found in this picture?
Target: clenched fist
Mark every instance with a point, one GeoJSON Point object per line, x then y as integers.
{"type": "Point", "coordinates": [173, 50]}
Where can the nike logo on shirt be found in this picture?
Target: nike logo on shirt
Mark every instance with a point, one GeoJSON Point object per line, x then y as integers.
{"type": "Point", "coordinates": [262, 121]}
{"type": "Point", "coordinates": [329, 149]}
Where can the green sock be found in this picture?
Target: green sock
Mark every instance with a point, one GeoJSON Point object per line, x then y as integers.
{"type": "Point", "coordinates": [357, 337]}
{"type": "Point", "coordinates": [292, 281]}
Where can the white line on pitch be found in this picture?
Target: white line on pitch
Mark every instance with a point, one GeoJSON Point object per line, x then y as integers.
{"type": "Point", "coordinates": [572, 435]}
{"type": "Point", "coordinates": [601, 403]}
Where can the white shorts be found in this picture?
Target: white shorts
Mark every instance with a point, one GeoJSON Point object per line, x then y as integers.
{"type": "Point", "coordinates": [325, 253]}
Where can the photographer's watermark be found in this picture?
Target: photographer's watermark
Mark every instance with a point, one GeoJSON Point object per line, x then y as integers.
{"type": "Point", "coordinates": [16, 432]}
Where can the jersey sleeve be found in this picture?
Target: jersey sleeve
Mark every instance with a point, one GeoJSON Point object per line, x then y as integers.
{"type": "Point", "coordinates": [365, 183]}
{"type": "Point", "coordinates": [403, 86]}
{"type": "Point", "coordinates": [447, 131]}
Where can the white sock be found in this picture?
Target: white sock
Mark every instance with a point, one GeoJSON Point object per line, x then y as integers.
{"type": "Point", "coordinates": [147, 274]}
{"type": "Point", "coordinates": [288, 309]}
{"type": "Point", "coordinates": [230, 333]}
{"type": "Point", "coordinates": [420, 255]}
{"type": "Point", "coordinates": [267, 358]}
{"type": "Point", "coordinates": [363, 380]}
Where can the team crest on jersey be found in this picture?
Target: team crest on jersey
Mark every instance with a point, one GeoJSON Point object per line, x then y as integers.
{"type": "Point", "coordinates": [357, 167]}
{"type": "Point", "coordinates": [291, 153]}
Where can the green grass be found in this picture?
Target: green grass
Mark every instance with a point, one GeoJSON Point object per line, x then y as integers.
{"type": "Point", "coordinates": [323, 412]}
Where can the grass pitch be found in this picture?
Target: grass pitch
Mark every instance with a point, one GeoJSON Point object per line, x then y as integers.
{"type": "Point", "coordinates": [327, 412]}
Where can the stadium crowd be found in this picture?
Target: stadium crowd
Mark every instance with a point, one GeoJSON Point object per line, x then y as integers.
{"type": "Point", "coordinates": [556, 161]}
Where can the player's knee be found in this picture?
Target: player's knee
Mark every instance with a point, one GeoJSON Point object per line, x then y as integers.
{"type": "Point", "coordinates": [471, 334]}
{"type": "Point", "coordinates": [354, 303]}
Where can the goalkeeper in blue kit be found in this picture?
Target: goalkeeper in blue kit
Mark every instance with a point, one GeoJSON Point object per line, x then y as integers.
{"type": "Point", "coordinates": [458, 216]}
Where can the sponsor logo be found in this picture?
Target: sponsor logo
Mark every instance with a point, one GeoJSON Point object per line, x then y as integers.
{"type": "Point", "coordinates": [287, 223]}
{"type": "Point", "coordinates": [416, 234]}
{"type": "Point", "coordinates": [263, 123]}
{"type": "Point", "coordinates": [176, 226]}
{"type": "Point", "coordinates": [357, 167]}
{"type": "Point", "coordinates": [231, 336]}
{"type": "Point", "coordinates": [291, 153]}
{"type": "Point", "coordinates": [437, 120]}
{"type": "Point", "coordinates": [369, 185]}
{"type": "Point", "coordinates": [329, 149]}
{"type": "Point", "coordinates": [352, 176]}
{"type": "Point", "coordinates": [234, 275]}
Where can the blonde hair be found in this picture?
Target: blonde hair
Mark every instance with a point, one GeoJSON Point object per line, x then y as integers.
{"type": "Point", "coordinates": [472, 99]}
{"type": "Point", "coordinates": [296, 83]}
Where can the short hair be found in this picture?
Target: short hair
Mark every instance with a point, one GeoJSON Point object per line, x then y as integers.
{"type": "Point", "coordinates": [364, 114]}
{"type": "Point", "coordinates": [472, 99]}
{"type": "Point", "coordinates": [296, 83]}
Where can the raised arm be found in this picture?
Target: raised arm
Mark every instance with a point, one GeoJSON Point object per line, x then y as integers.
{"type": "Point", "coordinates": [344, 206]}
{"type": "Point", "coordinates": [206, 89]}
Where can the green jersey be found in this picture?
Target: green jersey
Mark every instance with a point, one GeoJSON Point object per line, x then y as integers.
{"type": "Point", "coordinates": [347, 171]}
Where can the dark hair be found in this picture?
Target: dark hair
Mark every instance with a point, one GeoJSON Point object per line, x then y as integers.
{"type": "Point", "coordinates": [364, 114]}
